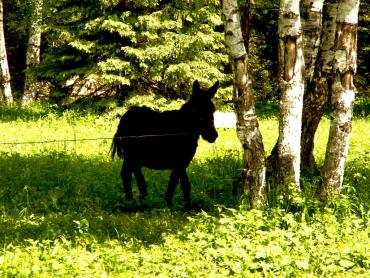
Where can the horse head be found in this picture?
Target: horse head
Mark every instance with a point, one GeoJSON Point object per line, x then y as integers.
{"type": "Point", "coordinates": [201, 109]}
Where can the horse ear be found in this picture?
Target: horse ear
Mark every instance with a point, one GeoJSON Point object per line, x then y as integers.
{"type": "Point", "coordinates": [196, 86]}
{"type": "Point", "coordinates": [212, 91]}
{"type": "Point", "coordinates": [196, 89]}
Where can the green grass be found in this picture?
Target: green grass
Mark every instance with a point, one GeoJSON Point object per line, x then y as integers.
{"type": "Point", "coordinates": [60, 208]}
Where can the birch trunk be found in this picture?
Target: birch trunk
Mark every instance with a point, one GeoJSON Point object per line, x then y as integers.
{"type": "Point", "coordinates": [6, 91]}
{"type": "Point", "coordinates": [316, 92]}
{"type": "Point", "coordinates": [291, 70]}
{"type": "Point", "coordinates": [343, 95]}
{"type": "Point", "coordinates": [33, 53]}
{"type": "Point", "coordinates": [311, 14]}
{"type": "Point", "coordinates": [247, 123]}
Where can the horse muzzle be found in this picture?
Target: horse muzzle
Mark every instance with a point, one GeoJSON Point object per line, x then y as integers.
{"type": "Point", "coordinates": [210, 136]}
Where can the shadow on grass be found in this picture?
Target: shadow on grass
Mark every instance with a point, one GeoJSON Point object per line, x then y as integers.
{"type": "Point", "coordinates": [357, 179]}
{"type": "Point", "coordinates": [14, 112]}
{"type": "Point", "coordinates": [265, 110]}
{"type": "Point", "coordinates": [53, 195]}
{"type": "Point", "coordinates": [362, 107]}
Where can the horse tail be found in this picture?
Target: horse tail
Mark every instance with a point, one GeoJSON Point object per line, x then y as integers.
{"type": "Point", "coordinates": [117, 142]}
{"type": "Point", "coordinates": [113, 149]}
{"type": "Point", "coordinates": [116, 147]}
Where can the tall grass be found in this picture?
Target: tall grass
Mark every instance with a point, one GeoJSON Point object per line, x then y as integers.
{"type": "Point", "coordinates": [61, 213]}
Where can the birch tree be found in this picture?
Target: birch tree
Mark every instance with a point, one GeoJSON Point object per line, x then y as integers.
{"type": "Point", "coordinates": [247, 123]}
{"type": "Point", "coordinates": [6, 92]}
{"type": "Point", "coordinates": [291, 69]}
{"type": "Point", "coordinates": [316, 91]}
{"type": "Point", "coordinates": [33, 52]}
{"type": "Point", "coordinates": [343, 95]}
{"type": "Point", "coordinates": [317, 94]}
{"type": "Point", "coordinates": [311, 15]}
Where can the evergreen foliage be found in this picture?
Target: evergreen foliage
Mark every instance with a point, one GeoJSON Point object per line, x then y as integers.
{"type": "Point", "coordinates": [148, 46]}
{"type": "Point", "coordinates": [362, 78]}
{"type": "Point", "coordinates": [158, 46]}
{"type": "Point", "coordinates": [16, 24]}
{"type": "Point", "coordinates": [263, 48]}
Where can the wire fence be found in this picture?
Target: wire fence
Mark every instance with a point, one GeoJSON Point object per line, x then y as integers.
{"type": "Point", "coordinates": [95, 139]}
{"type": "Point", "coordinates": [53, 141]}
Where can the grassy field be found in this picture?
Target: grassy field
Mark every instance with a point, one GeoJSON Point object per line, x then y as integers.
{"type": "Point", "coordinates": [60, 208]}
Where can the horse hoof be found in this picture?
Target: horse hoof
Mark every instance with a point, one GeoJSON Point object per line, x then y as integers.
{"type": "Point", "coordinates": [123, 208]}
{"type": "Point", "coordinates": [188, 207]}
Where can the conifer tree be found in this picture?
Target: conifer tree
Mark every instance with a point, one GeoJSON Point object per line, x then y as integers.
{"type": "Point", "coordinates": [158, 46]}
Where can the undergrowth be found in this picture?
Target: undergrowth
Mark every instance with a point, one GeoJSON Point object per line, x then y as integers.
{"type": "Point", "coordinates": [61, 208]}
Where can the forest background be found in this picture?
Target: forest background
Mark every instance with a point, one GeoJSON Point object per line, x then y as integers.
{"type": "Point", "coordinates": [105, 48]}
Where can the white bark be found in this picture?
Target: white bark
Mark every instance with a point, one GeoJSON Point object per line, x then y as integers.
{"type": "Point", "coordinates": [315, 98]}
{"type": "Point", "coordinates": [291, 65]}
{"type": "Point", "coordinates": [6, 91]}
{"type": "Point", "coordinates": [247, 123]}
{"type": "Point", "coordinates": [311, 26]}
{"type": "Point", "coordinates": [327, 49]}
{"type": "Point", "coordinates": [343, 95]}
{"type": "Point", "coordinates": [233, 31]}
{"type": "Point", "coordinates": [33, 53]}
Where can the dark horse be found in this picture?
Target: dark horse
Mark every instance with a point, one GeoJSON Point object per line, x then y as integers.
{"type": "Point", "coordinates": [164, 140]}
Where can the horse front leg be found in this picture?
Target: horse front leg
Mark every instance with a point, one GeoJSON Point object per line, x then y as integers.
{"type": "Point", "coordinates": [126, 176]}
{"type": "Point", "coordinates": [186, 188]}
{"type": "Point", "coordinates": [174, 179]}
{"type": "Point", "coordinates": [141, 183]}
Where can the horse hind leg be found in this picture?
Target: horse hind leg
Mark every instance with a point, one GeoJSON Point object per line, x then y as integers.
{"type": "Point", "coordinates": [141, 183]}
{"type": "Point", "coordinates": [126, 176]}
{"type": "Point", "coordinates": [186, 188]}
{"type": "Point", "coordinates": [174, 179]}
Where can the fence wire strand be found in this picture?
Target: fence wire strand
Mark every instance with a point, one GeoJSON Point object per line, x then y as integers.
{"type": "Point", "coordinates": [53, 141]}
{"type": "Point", "coordinates": [94, 139]}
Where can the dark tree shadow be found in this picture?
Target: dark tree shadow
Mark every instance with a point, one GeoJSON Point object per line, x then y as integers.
{"type": "Point", "coordinates": [50, 195]}
{"type": "Point", "coordinates": [10, 113]}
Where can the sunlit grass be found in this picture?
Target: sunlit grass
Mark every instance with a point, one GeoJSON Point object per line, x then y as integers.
{"type": "Point", "coordinates": [61, 214]}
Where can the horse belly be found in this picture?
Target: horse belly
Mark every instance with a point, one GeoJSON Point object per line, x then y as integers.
{"type": "Point", "coordinates": [161, 154]}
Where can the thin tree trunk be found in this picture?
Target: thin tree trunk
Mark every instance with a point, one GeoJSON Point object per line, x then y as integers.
{"type": "Point", "coordinates": [245, 23]}
{"type": "Point", "coordinates": [318, 74]}
{"type": "Point", "coordinates": [291, 70]}
{"type": "Point", "coordinates": [311, 14]}
{"type": "Point", "coordinates": [6, 91]}
{"type": "Point", "coordinates": [316, 93]}
{"type": "Point", "coordinates": [343, 95]}
{"type": "Point", "coordinates": [247, 123]}
{"type": "Point", "coordinates": [33, 53]}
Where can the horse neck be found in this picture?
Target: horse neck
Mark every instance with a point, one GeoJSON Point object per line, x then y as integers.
{"type": "Point", "coordinates": [188, 120]}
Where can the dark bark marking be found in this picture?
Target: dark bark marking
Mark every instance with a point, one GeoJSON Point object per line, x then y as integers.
{"type": "Point", "coordinates": [290, 56]}
{"type": "Point", "coordinates": [290, 15]}
{"type": "Point", "coordinates": [229, 33]}
{"type": "Point", "coordinates": [346, 127]}
{"type": "Point", "coordinates": [347, 80]}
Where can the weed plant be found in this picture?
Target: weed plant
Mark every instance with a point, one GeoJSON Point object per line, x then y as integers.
{"type": "Point", "coordinates": [61, 213]}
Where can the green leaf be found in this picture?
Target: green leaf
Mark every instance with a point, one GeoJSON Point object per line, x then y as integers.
{"type": "Point", "coordinates": [346, 263]}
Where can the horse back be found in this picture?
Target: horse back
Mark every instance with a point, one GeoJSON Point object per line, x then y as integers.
{"type": "Point", "coordinates": [160, 140]}
{"type": "Point", "coordinates": [142, 121]}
